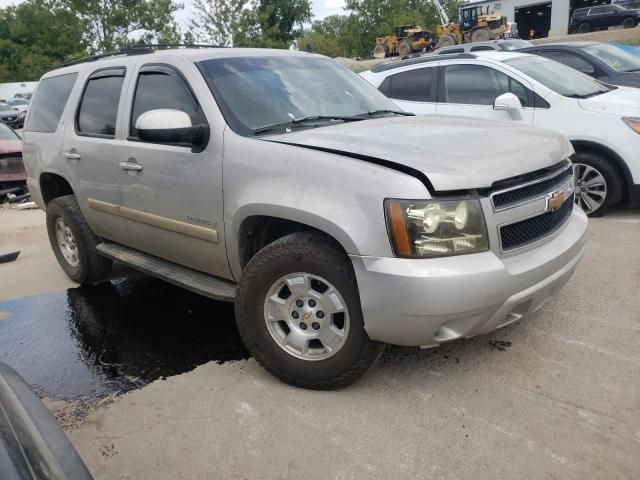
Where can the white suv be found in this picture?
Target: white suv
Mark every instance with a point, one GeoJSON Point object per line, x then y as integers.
{"type": "Point", "coordinates": [602, 122]}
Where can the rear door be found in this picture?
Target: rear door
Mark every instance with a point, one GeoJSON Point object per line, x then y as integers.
{"type": "Point", "coordinates": [90, 149]}
{"type": "Point", "coordinates": [171, 194]}
{"type": "Point", "coordinates": [413, 90]}
{"type": "Point", "coordinates": [471, 89]}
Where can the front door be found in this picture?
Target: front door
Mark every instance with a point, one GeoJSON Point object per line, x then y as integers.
{"type": "Point", "coordinates": [470, 90]}
{"type": "Point", "coordinates": [172, 194]}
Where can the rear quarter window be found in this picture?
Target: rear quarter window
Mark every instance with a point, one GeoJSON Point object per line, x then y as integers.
{"type": "Point", "coordinates": [49, 102]}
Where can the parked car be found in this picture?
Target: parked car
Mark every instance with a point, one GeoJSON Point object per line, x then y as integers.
{"type": "Point", "coordinates": [601, 17]}
{"type": "Point", "coordinates": [602, 122]}
{"type": "Point", "coordinates": [11, 116]}
{"type": "Point", "coordinates": [339, 224]}
{"type": "Point", "coordinates": [31, 442]}
{"type": "Point", "coordinates": [12, 171]}
{"type": "Point", "coordinates": [501, 45]}
{"type": "Point", "coordinates": [602, 61]}
{"type": "Point", "coordinates": [19, 104]}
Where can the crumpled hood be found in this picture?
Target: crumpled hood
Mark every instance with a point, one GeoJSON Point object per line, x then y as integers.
{"type": "Point", "coordinates": [455, 153]}
{"type": "Point", "coordinates": [623, 101]}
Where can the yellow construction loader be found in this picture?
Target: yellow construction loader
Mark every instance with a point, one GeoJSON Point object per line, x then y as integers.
{"type": "Point", "coordinates": [476, 25]}
{"type": "Point", "coordinates": [408, 39]}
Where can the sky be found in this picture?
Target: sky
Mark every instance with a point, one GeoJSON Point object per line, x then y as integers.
{"type": "Point", "coordinates": [320, 8]}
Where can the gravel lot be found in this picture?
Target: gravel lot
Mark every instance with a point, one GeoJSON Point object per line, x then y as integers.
{"type": "Point", "coordinates": [561, 402]}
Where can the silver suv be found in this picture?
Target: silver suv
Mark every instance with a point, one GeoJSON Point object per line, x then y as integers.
{"type": "Point", "coordinates": [285, 183]}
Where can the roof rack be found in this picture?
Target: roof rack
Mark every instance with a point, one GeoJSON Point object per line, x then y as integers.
{"type": "Point", "coordinates": [134, 50]}
{"type": "Point", "coordinates": [382, 67]}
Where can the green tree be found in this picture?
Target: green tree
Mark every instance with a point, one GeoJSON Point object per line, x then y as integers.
{"type": "Point", "coordinates": [109, 25]}
{"type": "Point", "coordinates": [282, 21]}
{"type": "Point", "coordinates": [216, 21]}
{"type": "Point", "coordinates": [35, 37]}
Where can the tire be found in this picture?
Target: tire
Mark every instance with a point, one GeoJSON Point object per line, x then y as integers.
{"type": "Point", "coordinates": [584, 27]}
{"type": "Point", "coordinates": [380, 51]}
{"type": "Point", "coordinates": [586, 166]}
{"type": "Point", "coordinates": [447, 40]}
{"type": "Point", "coordinates": [65, 218]}
{"type": "Point", "coordinates": [628, 23]}
{"type": "Point", "coordinates": [315, 255]}
{"type": "Point", "coordinates": [480, 35]}
{"type": "Point", "coordinates": [405, 49]}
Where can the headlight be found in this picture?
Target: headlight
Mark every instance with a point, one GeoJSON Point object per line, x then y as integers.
{"type": "Point", "coordinates": [436, 228]}
{"type": "Point", "coordinates": [633, 123]}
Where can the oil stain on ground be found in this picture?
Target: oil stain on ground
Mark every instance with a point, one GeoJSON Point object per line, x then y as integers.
{"type": "Point", "coordinates": [95, 341]}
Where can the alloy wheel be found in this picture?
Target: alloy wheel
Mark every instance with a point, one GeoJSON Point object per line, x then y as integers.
{"type": "Point", "coordinates": [590, 187]}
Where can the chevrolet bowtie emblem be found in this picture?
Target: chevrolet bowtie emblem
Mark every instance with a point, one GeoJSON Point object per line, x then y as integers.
{"type": "Point", "coordinates": [555, 201]}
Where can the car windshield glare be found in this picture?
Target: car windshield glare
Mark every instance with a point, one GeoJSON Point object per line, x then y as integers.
{"type": "Point", "coordinates": [5, 108]}
{"type": "Point", "coordinates": [614, 57]}
{"type": "Point", "coordinates": [255, 93]}
{"type": "Point", "coordinates": [558, 77]}
{"type": "Point", "coordinates": [7, 134]}
{"type": "Point", "coordinates": [511, 45]}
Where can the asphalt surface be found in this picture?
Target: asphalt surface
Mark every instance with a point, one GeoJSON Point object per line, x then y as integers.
{"type": "Point", "coordinates": [560, 399]}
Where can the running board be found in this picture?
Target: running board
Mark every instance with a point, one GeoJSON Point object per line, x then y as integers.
{"type": "Point", "coordinates": [184, 277]}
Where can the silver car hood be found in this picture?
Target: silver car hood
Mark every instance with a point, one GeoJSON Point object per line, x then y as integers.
{"type": "Point", "coordinates": [454, 153]}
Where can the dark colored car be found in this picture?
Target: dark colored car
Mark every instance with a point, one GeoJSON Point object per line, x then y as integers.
{"type": "Point", "coordinates": [601, 17]}
{"type": "Point", "coordinates": [32, 445]}
{"type": "Point", "coordinates": [12, 171]}
{"type": "Point", "coordinates": [11, 116]}
{"type": "Point", "coordinates": [602, 61]}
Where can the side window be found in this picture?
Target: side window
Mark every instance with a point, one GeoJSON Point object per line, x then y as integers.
{"type": "Point", "coordinates": [481, 48]}
{"type": "Point", "coordinates": [570, 60]}
{"type": "Point", "coordinates": [452, 50]}
{"type": "Point", "coordinates": [479, 85]}
{"type": "Point", "coordinates": [99, 105]}
{"type": "Point", "coordinates": [161, 87]}
{"type": "Point", "coordinates": [49, 102]}
{"type": "Point", "coordinates": [413, 85]}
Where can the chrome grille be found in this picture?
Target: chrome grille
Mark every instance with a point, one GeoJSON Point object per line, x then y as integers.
{"type": "Point", "coordinates": [507, 198]}
{"type": "Point", "coordinates": [11, 165]}
{"type": "Point", "coordinates": [531, 230]}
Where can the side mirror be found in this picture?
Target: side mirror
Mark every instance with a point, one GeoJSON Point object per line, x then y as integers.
{"type": "Point", "coordinates": [508, 102]}
{"type": "Point", "coordinates": [172, 127]}
{"type": "Point", "coordinates": [588, 70]}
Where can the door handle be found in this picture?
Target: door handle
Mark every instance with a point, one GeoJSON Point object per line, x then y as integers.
{"type": "Point", "coordinates": [131, 166]}
{"type": "Point", "coordinates": [72, 155]}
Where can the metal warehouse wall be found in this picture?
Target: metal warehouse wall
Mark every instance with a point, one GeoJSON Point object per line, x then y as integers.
{"type": "Point", "coordinates": [559, 12]}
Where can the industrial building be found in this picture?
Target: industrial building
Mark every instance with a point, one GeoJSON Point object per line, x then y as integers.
{"type": "Point", "coordinates": [539, 19]}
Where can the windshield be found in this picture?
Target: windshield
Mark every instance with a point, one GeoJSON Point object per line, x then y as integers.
{"type": "Point", "coordinates": [256, 93]}
{"type": "Point", "coordinates": [510, 45]}
{"type": "Point", "coordinates": [558, 77]}
{"type": "Point", "coordinates": [614, 57]}
{"type": "Point", "coordinates": [5, 108]}
{"type": "Point", "coordinates": [18, 101]}
{"type": "Point", "coordinates": [7, 134]}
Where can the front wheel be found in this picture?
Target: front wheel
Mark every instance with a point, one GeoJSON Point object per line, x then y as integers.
{"type": "Point", "coordinates": [298, 312]}
{"type": "Point", "coordinates": [598, 185]}
{"type": "Point", "coordinates": [584, 27]}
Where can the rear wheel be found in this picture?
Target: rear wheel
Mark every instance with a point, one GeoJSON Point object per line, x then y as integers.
{"type": "Point", "coordinates": [447, 40]}
{"type": "Point", "coordinates": [598, 184]}
{"type": "Point", "coordinates": [584, 27]}
{"type": "Point", "coordinates": [480, 35]}
{"type": "Point", "coordinates": [629, 23]}
{"type": "Point", "coordinates": [73, 242]}
{"type": "Point", "coordinates": [298, 312]}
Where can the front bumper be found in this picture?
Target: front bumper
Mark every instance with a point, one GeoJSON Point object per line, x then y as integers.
{"type": "Point", "coordinates": [425, 302]}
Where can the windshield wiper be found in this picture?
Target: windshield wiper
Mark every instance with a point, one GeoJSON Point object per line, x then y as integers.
{"type": "Point", "coordinates": [303, 121]}
{"type": "Point", "coordinates": [586, 95]}
{"type": "Point", "coordinates": [381, 112]}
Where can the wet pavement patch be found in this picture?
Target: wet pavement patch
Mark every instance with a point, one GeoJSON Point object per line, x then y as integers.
{"type": "Point", "coordinates": [95, 341]}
